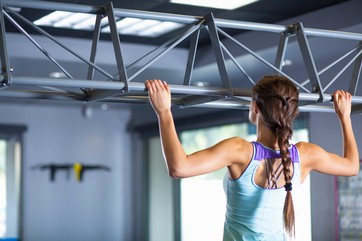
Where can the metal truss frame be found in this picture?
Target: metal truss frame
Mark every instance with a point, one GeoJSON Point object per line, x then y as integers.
{"type": "Point", "coordinates": [121, 88]}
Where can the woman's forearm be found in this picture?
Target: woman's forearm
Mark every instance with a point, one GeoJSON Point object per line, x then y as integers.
{"type": "Point", "coordinates": [350, 149]}
{"type": "Point", "coordinates": [173, 151]}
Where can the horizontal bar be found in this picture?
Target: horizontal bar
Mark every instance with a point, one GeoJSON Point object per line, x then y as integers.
{"type": "Point", "coordinates": [230, 104]}
{"type": "Point", "coordinates": [41, 95]}
{"type": "Point", "coordinates": [185, 19]}
{"type": "Point", "coordinates": [72, 83]}
{"type": "Point", "coordinates": [190, 90]}
{"type": "Point", "coordinates": [357, 109]}
{"type": "Point", "coordinates": [222, 104]}
{"type": "Point", "coordinates": [140, 87]}
{"type": "Point", "coordinates": [226, 104]}
{"type": "Point", "coordinates": [275, 28]}
{"type": "Point", "coordinates": [225, 23]}
{"type": "Point", "coordinates": [316, 108]}
{"type": "Point", "coordinates": [332, 34]}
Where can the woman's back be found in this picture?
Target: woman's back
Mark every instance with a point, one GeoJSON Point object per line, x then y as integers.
{"type": "Point", "coordinates": [255, 212]}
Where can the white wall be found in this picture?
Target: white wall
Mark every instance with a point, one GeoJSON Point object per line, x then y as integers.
{"type": "Point", "coordinates": [100, 207]}
{"type": "Point", "coordinates": [326, 132]}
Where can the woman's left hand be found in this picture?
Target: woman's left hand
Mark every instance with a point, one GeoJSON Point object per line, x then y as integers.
{"type": "Point", "coordinates": [159, 95]}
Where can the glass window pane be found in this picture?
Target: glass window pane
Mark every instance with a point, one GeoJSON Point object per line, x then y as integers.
{"type": "Point", "coordinates": [2, 188]}
{"type": "Point", "coordinates": [202, 197]}
{"type": "Point", "coordinates": [9, 188]}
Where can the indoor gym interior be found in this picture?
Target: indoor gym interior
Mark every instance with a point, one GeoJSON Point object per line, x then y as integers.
{"type": "Point", "coordinates": [79, 145]}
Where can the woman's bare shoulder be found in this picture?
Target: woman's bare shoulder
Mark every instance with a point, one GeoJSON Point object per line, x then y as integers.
{"type": "Point", "coordinates": [307, 147]}
{"type": "Point", "coordinates": [242, 152]}
{"type": "Point", "coordinates": [310, 154]}
{"type": "Point", "coordinates": [241, 147]}
{"type": "Point", "coordinates": [239, 142]}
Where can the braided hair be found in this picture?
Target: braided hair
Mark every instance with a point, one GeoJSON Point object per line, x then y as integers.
{"type": "Point", "coordinates": [277, 101]}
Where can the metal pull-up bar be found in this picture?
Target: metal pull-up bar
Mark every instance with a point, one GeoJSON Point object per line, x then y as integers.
{"type": "Point", "coordinates": [122, 87]}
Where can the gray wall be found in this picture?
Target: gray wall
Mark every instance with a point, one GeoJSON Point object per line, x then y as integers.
{"type": "Point", "coordinates": [326, 132]}
{"type": "Point", "coordinates": [100, 207]}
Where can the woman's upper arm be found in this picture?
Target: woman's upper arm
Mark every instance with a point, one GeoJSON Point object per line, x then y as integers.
{"type": "Point", "coordinates": [225, 153]}
{"type": "Point", "coordinates": [315, 158]}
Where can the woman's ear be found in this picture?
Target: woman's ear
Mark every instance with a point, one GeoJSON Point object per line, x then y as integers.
{"type": "Point", "coordinates": [255, 107]}
{"type": "Point", "coordinates": [253, 111]}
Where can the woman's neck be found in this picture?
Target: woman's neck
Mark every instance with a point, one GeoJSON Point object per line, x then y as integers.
{"type": "Point", "coordinates": [266, 137]}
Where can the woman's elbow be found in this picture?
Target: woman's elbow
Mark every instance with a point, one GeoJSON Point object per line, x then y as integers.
{"type": "Point", "coordinates": [176, 169]}
{"type": "Point", "coordinates": [178, 172]}
{"type": "Point", "coordinates": [174, 172]}
{"type": "Point", "coordinates": [356, 170]}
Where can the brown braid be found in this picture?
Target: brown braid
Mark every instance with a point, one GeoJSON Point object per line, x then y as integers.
{"type": "Point", "coordinates": [277, 100]}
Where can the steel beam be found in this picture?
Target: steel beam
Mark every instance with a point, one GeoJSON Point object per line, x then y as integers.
{"type": "Point", "coordinates": [121, 88]}
{"type": "Point", "coordinates": [140, 87]}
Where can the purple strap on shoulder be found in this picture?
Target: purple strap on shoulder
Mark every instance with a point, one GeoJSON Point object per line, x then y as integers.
{"type": "Point", "coordinates": [262, 152]}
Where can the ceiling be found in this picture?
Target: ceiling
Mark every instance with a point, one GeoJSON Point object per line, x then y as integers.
{"type": "Point", "coordinates": [262, 11]}
{"type": "Point", "coordinates": [324, 14]}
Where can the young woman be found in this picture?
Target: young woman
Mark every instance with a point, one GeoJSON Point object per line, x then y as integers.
{"type": "Point", "coordinates": [263, 173]}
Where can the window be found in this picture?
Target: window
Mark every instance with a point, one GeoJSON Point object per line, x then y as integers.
{"type": "Point", "coordinates": [2, 187]}
{"type": "Point", "coordinates": [10, 176]}
{"type": "Point", "coordinates": [202, 198]}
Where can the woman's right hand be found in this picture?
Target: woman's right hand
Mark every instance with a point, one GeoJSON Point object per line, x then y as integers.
{"type": "Point", "coordinates": [159, 95]}
{"type": "Point", "coordinates": [342, 101]}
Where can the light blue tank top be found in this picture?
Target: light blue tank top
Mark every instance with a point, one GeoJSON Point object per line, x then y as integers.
{"type": "Point", "coordinates": [254, 213]}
